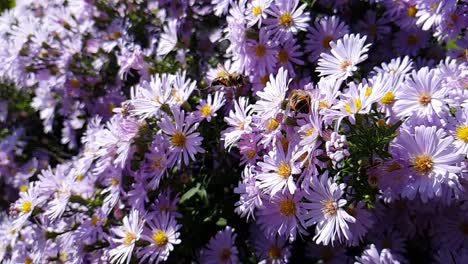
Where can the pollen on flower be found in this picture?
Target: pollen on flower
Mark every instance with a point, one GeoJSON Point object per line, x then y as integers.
{"type": "Point", "coordinates": [178, 139]}
{"type": "Point", "coordinates": [272, 124]}
{"type": "Point", "coordinates": [129, 239]}
{"type": "Point", "coordinates": [114, 182]}
{"type": "Point", "coordinates": [330, 208]}
{"type": "Point", "coordinates": [287, 207]}
{"type": "Point", "coordinates": [274, 252]}
{"type": "Point", "coordinates": [326, 42]}
{"type": "Point", "coordinates": [257, 11]}
{"type": "Point", "coordinates": [310, 132]}
{"type": "Point", "coordinates": [80, 177]}
{"type": "Point", "coordinates": [284, 170]}
{"type": "Point", "coordinates": [357, 104]}
{"type": "Point", "coordinates": [206, 110]}
{"type": "Point", "coordinates": [388, 98]}
{"type": "Point", "coordinates": [368, 91]}
{"type": "Point", "coordinates": [260, 51]}
{"type": "Point", "coordinates": [425, 99]}
{"type": "Point", "coordinates": [283, 56]}
{"type": "Point", "coordinates": [423, 164]}
{"type": "Point", "coordinates": [94, 220]}
{"type": "Point", "coordinates": [160, 238]}
{"type": "Point", "coordinates": [286, 20]}
{"type": "Point", "coordinates": [345, 64]}
{"type": "Point", "coordinates": [225, 255]}
{"type": "Point", "coordinates": [26, 207]}
{"type": "Point", "coordinates": [412, 11]}
{"type": "Point", "coordinates": [462, 133]}
{"type": "Point", "coordinates": [23, 188]}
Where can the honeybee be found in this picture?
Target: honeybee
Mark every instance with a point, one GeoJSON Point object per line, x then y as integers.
{"type": "Point", "coordinates": [227, 79]}
{"type": "Point", "coordinates": [299, 101]}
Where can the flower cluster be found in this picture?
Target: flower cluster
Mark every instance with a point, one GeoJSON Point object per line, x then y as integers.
{"type": "Point", "coordinates": [263, 131]}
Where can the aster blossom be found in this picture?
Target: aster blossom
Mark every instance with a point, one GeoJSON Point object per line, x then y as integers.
{"type": "Point", "coordinates": [346, 53]}
{"type": "Point", "coordinates": [184, 141]}
{"type": "Point", "coordinates": [126, 237]}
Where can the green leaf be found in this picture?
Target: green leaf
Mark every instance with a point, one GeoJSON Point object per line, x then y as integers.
{"type": "Point", "coordinates": [186, 196]}
{"type": "Point", "coordinates": [221, 222]}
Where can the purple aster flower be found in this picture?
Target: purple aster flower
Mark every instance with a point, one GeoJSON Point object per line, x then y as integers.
{"type": "Point", "coordinates": [432, 12]}
{"type": "Point", "coordinates": [162, 233]}
{"type": "Point", "coordinates": [270, 249]}
{"type": "Point", "coordinates": [272, 97]}
{"type": "Point", "coordinates": [239, 120]}
{"type": "Point", "coordinates": [288, 55]}
{"type": "Point", "coordinates": [433, 160]}
{"type": "Point", "coordinates": [207, 108]}
{"type": "Point", "coordinates": [421, 96]}
{"type": "Point", "coordinates": [276, 172]}
{"type": "Point", "coordinates": [126, 237]}
{"type": "Point", "coordinates": [329, 254]}
{"type": "Point", "coordinates": [25, 205]}
{"type": "Point", "coordinates": [221, 248]}
{"type": "Point", "coordinates": [323, 32]}
{"type": "Point", "coordinates": [167, 203]}
{"type": "Point", "coordinates": [184, 141]}
{"type": "Point", "coordinates": [410, 41]}
{"type": "Point", "coordinates": [374, 27]}
{"type": "Point", "coordinates": [168, 40]}
{"type": "Point", "coordinates": [346, 53]}
{"type": "Point", "coordinates": [256, 11]}
{"type": "Point", "coordinates": [372, 256]}
{"type": "Point", "coordinates": [262, 54]}
{"type": "Point", "coordinates": [364, 222]}
{"type": "Point", "coordinates": [287, 19]}
{"type": "Point", "coordinates": [283, 214]}
{"type": "Point", "coordinates": [250, 194]}
{"type": "Point", "coordinates": [326, 210]}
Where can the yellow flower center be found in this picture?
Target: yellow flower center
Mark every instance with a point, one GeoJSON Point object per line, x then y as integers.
{"type": "Point", "coordinates": [326, 42]}
{"type": "Point", "coordinates": [286, 20]}
{"type": "Point", "coordinates": [287, 207]}
{"type": "Point", "coordinates": [75, 83]}
{"type": "Point", "coordinates": [94, 220]}
{"type": "Point", "coordinates": [114, 182]}
{"type": "Point", "coordinates": [412, 40]}
{"type": "Point", "coordinates": [310, 132]}
{"type": "Point", "coordinates": [425, 99]}
{"type": "Point", "coordinates": [28, 260]}
{"type": "Point", "coordinates": [225, 255]}
{"type": "Point", "coordinates": [26, 207]}
{"type": "Point", "coordinates": [330, 208]}
{"type": "Point", "coordinates": [160, 238]}
{"type": "Point", "coordinates": [284, 170]}
{"type": "Point", "coordinates": [412, 11]}
{"type": "Point", "coordinates": [63, 256]}
{"type": "Point", "coordinates": [368, 91]}
{"type": "Point", "coordinates": [257, 11]}
{"type": "Point", "coordinates": [462, 133]}
{"type": "Point", "coordinates": [358, 105]}
{"type": "Point", "coordinates": [129, 239]}
{"type": "Point", "coordinates": [178, 139]}
{"type": "Point", "coordinates": [345, 64]}
{"type": "Point", "coordinates": [423, 164]}
{"type": "Point", "coordinates": [23, 188]}
{"type": "Point", "coordinates": [251, 154]}
{"type": "Point", "coordinates": [260, 51]}
{"type": "Point", "coordinates": [274, 252]}
{"type": "Point", "coordinates": [272, 124]}
{"type": "Point", "coordinates": [206, 110]}
{"type": "Point", "coordinates": [388, 99]}
{"type": "Point", "coordinates": [283, 56]}
{"type": "Point", "coordinates": [80, 177]}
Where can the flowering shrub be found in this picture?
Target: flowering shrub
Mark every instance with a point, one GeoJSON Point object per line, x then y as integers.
{"type": "Point", "coordinates": [263, 131]}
